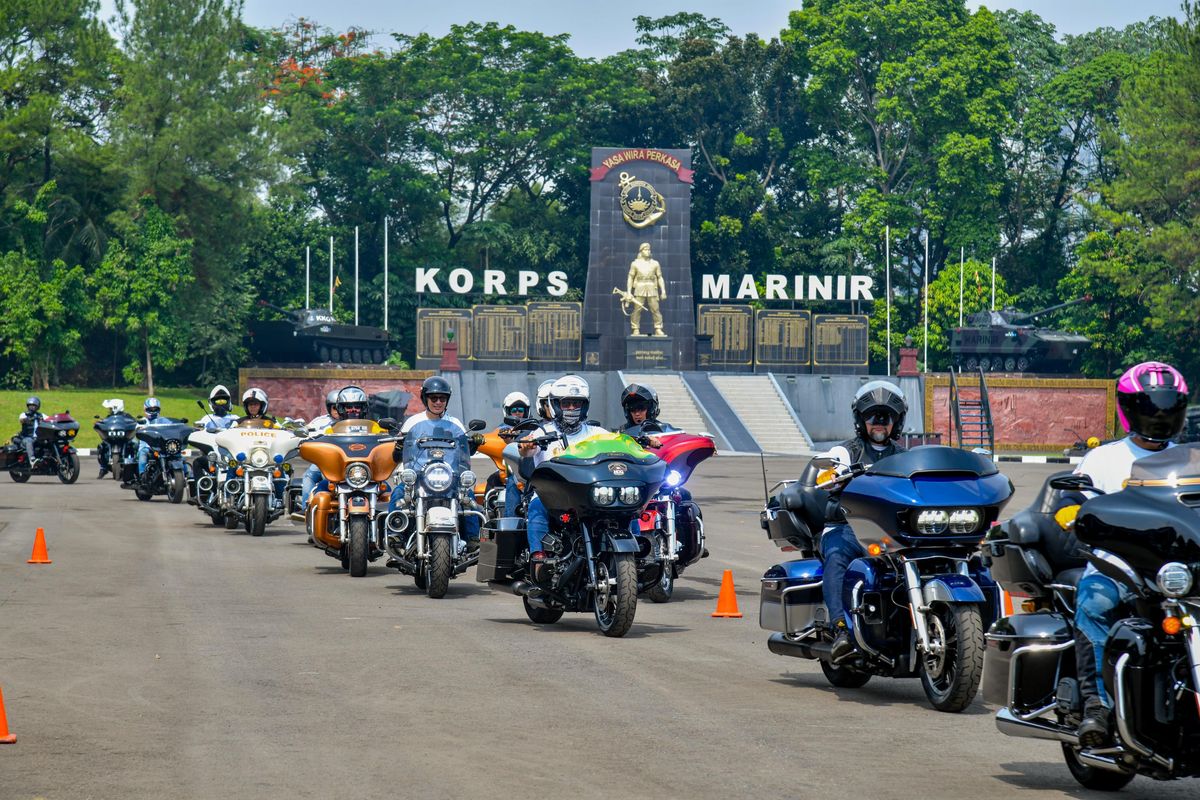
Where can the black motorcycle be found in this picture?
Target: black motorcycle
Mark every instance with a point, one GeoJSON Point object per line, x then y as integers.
{"type": "Point", "coordinates": [117, 452]}
{"type": "Point", "coordinates": [53, 451]}
{"type": "Point", "coordinates": [1147, 539]}
{"type": "Point", "coordinates": [592, 492]}
{"type": "Point", "coordinates": [166, 472]}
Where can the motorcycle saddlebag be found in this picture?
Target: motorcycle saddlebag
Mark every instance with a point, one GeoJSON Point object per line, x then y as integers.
{"type": "Point", "coordinates": [500, 540]}
{"type": "Point", "coordinates": [8, 456]}
{"type": "Point", "coordinates": [790, 599]}
{"type": "Point", "coordinates": [1038, 647]}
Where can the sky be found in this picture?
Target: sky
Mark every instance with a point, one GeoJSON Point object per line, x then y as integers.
{"type": "Point", "coordinates": [600, 29]}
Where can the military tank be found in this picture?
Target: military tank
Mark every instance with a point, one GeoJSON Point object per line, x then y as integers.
{"type": "Point", "coordinates": [1009, 341]}
{"type": "Point", "coordinates": [314, 335]}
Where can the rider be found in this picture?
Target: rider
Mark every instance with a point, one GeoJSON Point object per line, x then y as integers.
{"type": "Point", "coordinates": [640, 404]}
{"type": "Point", "coordinates": [1152, 400]}
{"type": "Point", "coordinates": [316, 426]}
{"type": "Point", "coordinates": [515, 407]}
{"type": "Point", "coordinates": [254, 403]}
{"type": "Point", "coordinates": [151, 410]}
{"type": "Point", "coordinates": [543, 400]}
{"type": "Point", "coordinates": [435, 396]}
{"type": "Point", "coordinates": [30, 418]}
{"type": "Point", "coordinates": [218, 417]}
{"type": "Point", "coordinates": [569, 400]}
{"type": "Point", "coordinates": [879, 409]}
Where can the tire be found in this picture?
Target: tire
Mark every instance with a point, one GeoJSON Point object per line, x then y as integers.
{"type": "Point", "coordinates": [256, 521]}
{"type": "Point", "coordinates": [844, 677]}
{"type": "Point", "coordinates": [420, 580]}
{"type": "Point", "coordinates": [377, 356]}
{"type": "Point", "coordinates": [664, 587]}
{"type": "Point", "coordinates": [142, 492]}
{"type": "Point", "coordinates": [231, 521]}
{"type": "Point", "coordinates": [972, 364]}
{"type": "Point", "coordinates": [335, 355]}
{"type": "Point", "coordinates": [541, 616]}
{"type": "Point", "coordinates": [1099, 780]}
{"type": "Point", "coordinates": [323, 354]}
{"type": "Point", "coordinates": [1023, 364]}
{"type": "Point", "coordinates": [1010, 364]}
{"type": "Point", "coordinates": [441, 564]}
{"type": "Point", "coordinates": [614, 613]}
{"type": "Point", "coordinates": [176, 487]}
{"type": "Point", "coordinates": [19, 475]}
{"type": "Point", "coordinates": [217, 518]}
{"type": "Point", "coordinates": [71, 472]}
{"type": "Point", "coordinates": [360, 530]}
{"type": "Point", "coordinates": [959, 670]}
{"type": "Point", "coordinates": [985, 364]}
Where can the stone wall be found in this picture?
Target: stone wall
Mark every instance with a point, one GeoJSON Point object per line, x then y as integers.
{"type": "Point", "coordinates": [300, 391]}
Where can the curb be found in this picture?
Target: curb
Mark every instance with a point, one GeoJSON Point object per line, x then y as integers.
{"type": "Point", "coordinates": [1040, 459]}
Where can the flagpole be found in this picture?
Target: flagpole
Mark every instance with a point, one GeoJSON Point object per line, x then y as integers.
{"type": "Point", "coordinates": [355, 274]}
{"type": "Point", "coordinates": [926, 302]}
{"type": "Point", "coordinates": [993, 283]}
{"type": "Point", "coordinates": [961, 253]}
{"type": "Point", "coordinates": [307, 277]}
{"type": "Point", "coordinates": [385, 273]}
{"type": "Point", "coordinates": [887, 249]}
{"type": "Point", "coordinates": [331, 275]}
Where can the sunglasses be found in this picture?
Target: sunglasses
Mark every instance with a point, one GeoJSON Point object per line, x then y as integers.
{"type": "Point", "coordinates": [571, 404]}
{"type": "Point", "coordinates": [438, 398]}
{"type": "Point", "coordinates": [879, 418]}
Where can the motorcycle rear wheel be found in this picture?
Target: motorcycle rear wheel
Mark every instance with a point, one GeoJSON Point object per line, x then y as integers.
{"type": "Point", "coordinates": [256, 522]}
{"type": "Point", "coordinates": [231, 522]}
{"type": "Point", "coordinates": [1099, 780]}
{"type": "Point", "coordinates": [441, 564]}
{"type": "Point", "coordinates": [19, 475]}
{"type": "Point", "coordinates": [844, 677]}
{"type": "Point", "coordinates": [217, 518]}
{"type": "Point", "coordinates": [956, 681]}
{"type": "Point", "coordinates": [142, 492]}
{"type": "Point", "coordinates": [662, 590]}
{"type": "Point", "coordinates": [176, 487]}
{"type": "Point", "coordinates": [359, 528]}
{"type": "Point", "coordinates": [68, 468]}
{"type": "Point", "coordinates": [616, 607]}
{"type": "Point", "coordinates": [541, 616]}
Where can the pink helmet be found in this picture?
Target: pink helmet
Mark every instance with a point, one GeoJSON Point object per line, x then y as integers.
{"type": "Point", "coordinates": [1152, 401]}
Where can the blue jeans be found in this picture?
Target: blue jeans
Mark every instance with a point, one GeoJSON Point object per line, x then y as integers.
{"type": "Point", "coordinates": [143, 456]}
{"type": "Point", "coordinates": [537, 524]}
{"type": "Point", "coordinates": [312, 476]}
{"type": "Point", "coordinates": [1098, 603]}
{"type": "Point", "coordinates": [28, 442]}
{"type": "Point", "coordinates": [470, 526]}
{"type": "Point", "coordinates": [839, 547]}
{"type": "Point", "coordinates": [512, 496]}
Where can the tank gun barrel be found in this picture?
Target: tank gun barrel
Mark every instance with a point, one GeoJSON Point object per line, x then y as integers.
{"type": "Point", "coordinates": [273, 307]}
{"type": "Point", "coordinates": [1087, 298]}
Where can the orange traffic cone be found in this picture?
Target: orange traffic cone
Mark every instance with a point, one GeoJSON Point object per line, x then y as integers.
{"type": "Point", "coordinates": [727, 599]}
{"type": "Point", "coordinates": [1008, 605]}
{"type": "Point", "coordinates": [39, 556]}
{"type": "Point", "coordinates": [5, 736]}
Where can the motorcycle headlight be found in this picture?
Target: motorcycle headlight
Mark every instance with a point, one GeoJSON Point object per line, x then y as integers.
{"type": "Point", "coordinates": [71, 434]}
{"type": "Point", "coordinates": [467, 480]}
{"type": "Point", "coordinates": [631, 495]}
{"type": "Point", "coordinates": [408, 477]}
{"type": "Point", "coordinates": [1174, 579]}
{"type": "Point", "coordinates": [357, 475]}
{"type": "Point", "coordinates": [603, 495]}
{"type": "Point", "coordinates": [172, 446]}
{"type": "Point", "coordinates": [964, 520]}
{"type": "Point", "coordinates": [674, 478]}
{"type": "Point", "coordinates": [438, 477]}
{"type": "Point", "coordinates": [932, 521]}
{"type": "Point", "coordinates": [259, 457]}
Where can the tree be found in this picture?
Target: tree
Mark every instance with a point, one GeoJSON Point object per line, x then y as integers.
{"type": "Point", "coordinates": [138, 288]}
{"type": "Point", "coordinates": [41, 314]}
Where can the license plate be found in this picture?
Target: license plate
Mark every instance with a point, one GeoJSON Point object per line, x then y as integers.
{"type": "Point", "coordinates": [260, 483]}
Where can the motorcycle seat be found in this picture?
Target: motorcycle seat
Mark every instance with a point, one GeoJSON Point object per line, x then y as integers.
{"type": "Point", "coordinates": [1069, 577]}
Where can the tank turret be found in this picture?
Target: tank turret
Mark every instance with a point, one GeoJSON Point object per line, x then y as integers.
{"type": "Point", "coordinates": [314, 335]}
{"type": "Point", "coordinates": [1009, 341]}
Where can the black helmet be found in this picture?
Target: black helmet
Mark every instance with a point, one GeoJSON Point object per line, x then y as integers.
{"type": "Point", "coordinates": [351, 403]}
{"type": "Point", "coordinates": [435, 385]}
{"type": "Point", "coordinates": [636, 396]}
{"type": "Point", "coordinates": [34, 401]}
{"type": "Point", "coordinates": [875, 397]}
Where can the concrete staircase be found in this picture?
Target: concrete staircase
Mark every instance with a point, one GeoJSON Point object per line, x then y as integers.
{"type": "Point", "coordinates": [764, 412]}
{"type": "Point", "coordinates": [674, 400]}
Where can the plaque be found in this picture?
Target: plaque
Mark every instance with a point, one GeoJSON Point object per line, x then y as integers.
{"type": "Point", "coordinates": [648, 353]}
{"type": "Point", "coordinates": [499, 334]}
{"type": "Point", "coordinates": [840, 340]}
{"type": "Point", "coordinates": [432, 324]}
{"type": "Point", "coordinates": [781, 338]}
{"type": "Point", "coordinates": [554, 331]}
{"type": "Point", "coordinates": [731, 329]}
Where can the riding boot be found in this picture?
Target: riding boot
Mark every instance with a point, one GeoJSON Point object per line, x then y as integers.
{"type": "Point", "coordinates": [842, 646]}
{"type": "Point", "coordinates": [1097, 718]}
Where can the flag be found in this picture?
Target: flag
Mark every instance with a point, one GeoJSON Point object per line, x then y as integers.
{"type": "Point", "coordinates": [337, 281]}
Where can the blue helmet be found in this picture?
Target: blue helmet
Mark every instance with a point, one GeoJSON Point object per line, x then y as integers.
{"type": "Point", "coordinates": [151, 406]}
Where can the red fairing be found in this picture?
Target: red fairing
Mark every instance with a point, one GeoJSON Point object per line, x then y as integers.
{"type": "Point", "coordinates": [683, 451]}
{"type": "Point", "coordinates": [64, 417]}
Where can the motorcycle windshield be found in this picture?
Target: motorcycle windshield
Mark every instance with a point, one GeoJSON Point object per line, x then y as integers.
{"type": "Point", "coordinates": [1177, 466]}
{"type": "Point", "coordinates": [435, 440]}
{"type": "Point", "coordinates": [606, 445]}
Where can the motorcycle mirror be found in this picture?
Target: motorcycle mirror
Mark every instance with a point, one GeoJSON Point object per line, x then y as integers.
{"type": "Point", "coordinates": [476, 425]}
{"type": "Point", "coordinates": [184, 420]}
{"type": "Point", "coordinates": [388, 423]}
{"type": "Point", "coordinates": [651, 426]}
{"type": "Point", "coordinates": [95, 416]}
{"type": "Point", "coordinates": [512, 422]}
{"type": "Point", "coordinates": [200, 404]}
{"type": "Point", "coordinates": [824, 462]}
{"type": "Point", "coordinates": [1074, 483]}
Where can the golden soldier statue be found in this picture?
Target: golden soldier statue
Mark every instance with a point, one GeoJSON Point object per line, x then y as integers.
{"type": "Point", "coordinates": [645, 284]}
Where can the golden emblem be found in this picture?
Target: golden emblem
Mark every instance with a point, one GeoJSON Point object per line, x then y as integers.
{"type": "Point", "coordinates": [641, 204]}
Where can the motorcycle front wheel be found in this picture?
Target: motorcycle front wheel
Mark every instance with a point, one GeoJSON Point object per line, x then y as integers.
{"type": "Point", "coordinates": [616, 604]}
{"type": "Point", "coordinates": [441, 564]}
{"type": "Point", "coordinates": [176, 486]}
{"type": "Point", "coordinates": [257, 521]}
{"type": "Point", "coordinates": [360, 529]}
{"type": "Point", "coordinates": [68, 468]}
{"type": "Point", "coordinates": [951, 678]}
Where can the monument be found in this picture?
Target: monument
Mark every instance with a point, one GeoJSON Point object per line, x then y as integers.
{"type": "Point", "coordinates": [638, 309]}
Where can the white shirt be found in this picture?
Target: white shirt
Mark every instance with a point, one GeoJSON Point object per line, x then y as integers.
{"type": "Point", "coordinates": [424, 417]}
{"type": "Point", "coordinates": [1109, 465]}
{"type": "Point", "coordinates": [214, 421]}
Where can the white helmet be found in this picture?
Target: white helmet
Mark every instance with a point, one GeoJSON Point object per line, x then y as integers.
{"type": "Point", "coordinates": [219, 391]}
{"type": "Point", "coordinates": [115, 406]}
{"type": "Point", "coordinates": [570, 387]}
{"type": "Point", "coordinates": [543, 399]}
{"type": "Point", "coordinates": [254, 393]}
{"type": "Point", "coordinates": [514, 399]}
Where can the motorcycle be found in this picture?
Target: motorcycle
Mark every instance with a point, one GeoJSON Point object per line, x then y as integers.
{"type": "Point", "coordinates": [919, 601]}
{"type": "Point", "coordinates": [256, 452]}
{"type": "Point", "coordinates": [166, 473]}
{"type": "Point", "coordinates": [423, 535]}
{"type": "Point", "coordinates": [592, 491]}
{"type": "Point", "coordinates": [207, 485]}
{"type": "Point", "coordinates": [342, 517]}
{"type": "Point", "coordinates": [1146, 538]}
{"type": "Point", "coordinates": [117, 451]}
{"type": "Point", "coordinates": [52, 451]}
{"type": "Point", "coordinates": [490, 491]}
{"type": "Point", "coordinates": [671, 528]}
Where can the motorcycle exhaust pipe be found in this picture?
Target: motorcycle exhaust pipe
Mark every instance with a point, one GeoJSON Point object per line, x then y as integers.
{"type": "Point", "coordinates": [526, 589]}
{"type": "Point", "coordinates": [397, 521]}
{"type": "Point", "coordinates": [1011, 725]}
{"type": "Point", "coordinates": [813, 650]}
{"type": "Point", "coordinates": [1102, 762]}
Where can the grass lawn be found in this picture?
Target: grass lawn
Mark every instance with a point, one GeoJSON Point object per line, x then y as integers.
{"type": "Point", "coordinates": [83, 403]}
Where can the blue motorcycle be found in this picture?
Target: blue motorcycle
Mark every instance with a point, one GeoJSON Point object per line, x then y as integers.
{"type": "Point", "coordinates": [917, 605]}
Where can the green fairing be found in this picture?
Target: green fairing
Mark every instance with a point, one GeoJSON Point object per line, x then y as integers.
{"type": "Point", "coordinates": [612, 444]}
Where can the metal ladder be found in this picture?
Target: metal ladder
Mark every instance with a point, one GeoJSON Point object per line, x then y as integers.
{"type": "Point", "coordinates": [972, 416]}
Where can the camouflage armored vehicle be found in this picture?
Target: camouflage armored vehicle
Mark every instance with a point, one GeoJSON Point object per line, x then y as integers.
{"type": "Point", "coordinates": [314, 335]}
{"type": "Point", "coordinates": [1009, 341]}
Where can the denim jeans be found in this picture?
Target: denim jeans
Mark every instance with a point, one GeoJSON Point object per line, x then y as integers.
{"type": "Point", "coordinates": [537, 524]}
{"type": "Point", "coordinates": [1098, 603]}
{"type": "Point", "coordinates": [28, 442]}
{"type": "Point", "coordinates": [512, 496]}
{"type": "Point", "coordinates": [312, 476]}
{"type": "Point", "coordinates": [839, 547]}
{"type": "Point", "coordinates": [143, 456]}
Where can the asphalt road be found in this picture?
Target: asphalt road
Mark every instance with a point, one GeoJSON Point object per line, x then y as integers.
{"type": "Point", "coordinates": [162, 657]}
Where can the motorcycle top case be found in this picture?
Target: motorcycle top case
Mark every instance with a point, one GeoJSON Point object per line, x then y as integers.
{"type": "Point", "coordinates": [500, 541]}
{"type": "Point", "coordinates": [790, 599]}
{"type": "Point", "coordinates": [1041, 663]}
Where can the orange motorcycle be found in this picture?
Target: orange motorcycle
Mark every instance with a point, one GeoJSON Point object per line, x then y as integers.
{"type": "Point", "coordinates": [346, 520]}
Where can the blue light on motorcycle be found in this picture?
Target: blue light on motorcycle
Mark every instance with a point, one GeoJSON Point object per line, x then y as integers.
{"type": "Point", "coordinates": [278, 458]}
{"type": "Point", "coordinates": [241, 456]}
{"type": "Point", "coordinates": [674, 478]}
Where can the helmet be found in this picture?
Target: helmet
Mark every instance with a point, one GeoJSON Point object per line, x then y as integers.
{"type": "Point", "coordinates": [874, 397]}
{"type": "Point", "coordinates": [330, 399]}
{"type": "Point", "coordinates": [637, 396]}
{"type": "Point", "coordinates": [218, 400]}
{"type": "Point", "coordinates": [514, 399]}
{"type": "Point", "coordinates": [152, 407]}
{"type": "Point", "coordinates": [543, 400]}
{"type": "Point", "coordinates": [115, 405]}
{"type": "Point", "coordinates": [566, 388]}
{"type": "Point", "coordinates": [252, 394]}
{"type": "Point", "coordinates": [34, 401]}
{"type": "Point", "coordinates": [351, 403]}
{"type": "Point", "coordinates": [1152, 401]}
{"type": "Point", "coordinates": [435, 385]}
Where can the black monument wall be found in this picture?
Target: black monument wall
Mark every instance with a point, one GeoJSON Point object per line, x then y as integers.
{"type": "Point", "coordinates": [614, 244]}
